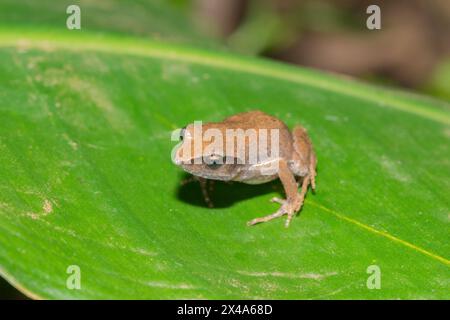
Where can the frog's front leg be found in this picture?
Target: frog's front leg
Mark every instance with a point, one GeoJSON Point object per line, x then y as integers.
{"type": "Point", "coordinates": [294, 200]}
{"type": "Point", "coordinates": [206, 187]}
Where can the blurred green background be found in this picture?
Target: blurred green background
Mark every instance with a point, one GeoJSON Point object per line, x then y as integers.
{"type": "Point", "coordinates": [412, 50]}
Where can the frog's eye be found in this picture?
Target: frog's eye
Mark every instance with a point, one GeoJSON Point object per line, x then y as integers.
{"type": "Point", "coordinates": [215, 162]}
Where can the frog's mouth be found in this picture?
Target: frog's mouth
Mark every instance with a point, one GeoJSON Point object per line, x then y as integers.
{"type": "Point", "coordinates": [214, 171]}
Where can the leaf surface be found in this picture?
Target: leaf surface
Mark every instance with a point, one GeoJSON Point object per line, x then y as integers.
{"type": "Point", "coordinates": [86, 177]}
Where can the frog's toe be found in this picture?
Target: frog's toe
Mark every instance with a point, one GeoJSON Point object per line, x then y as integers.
{"type": "Point", "coordinates": [278, 200]}
{"type": "Point", "coordinates": [290, 215]}
{"type": "Point", "coordinates": [286, 208]}
{"type": "Point", "coordinates": [269, 217]}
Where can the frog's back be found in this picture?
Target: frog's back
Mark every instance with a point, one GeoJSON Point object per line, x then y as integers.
{"type": "Point", "coordinates": [260, 120]}
{"type": "Point", "coordinates": [256, 119]}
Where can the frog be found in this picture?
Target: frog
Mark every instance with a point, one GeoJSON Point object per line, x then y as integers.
{"type": "Point", "coordinates": [294, 163]}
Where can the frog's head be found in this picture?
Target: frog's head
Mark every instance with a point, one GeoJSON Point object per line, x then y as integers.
{"type": "Point", "coordinates": [202, 152]}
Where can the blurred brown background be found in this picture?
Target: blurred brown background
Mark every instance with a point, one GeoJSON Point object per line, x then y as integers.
{"type": "Point", "coordinates": [411, 50]}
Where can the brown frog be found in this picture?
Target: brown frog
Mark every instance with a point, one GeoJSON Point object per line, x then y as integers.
{"type": "Point", "coordinates": [294, 157]}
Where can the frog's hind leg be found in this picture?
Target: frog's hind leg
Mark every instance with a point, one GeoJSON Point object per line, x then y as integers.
{"type": "Point", "coordinates": [305, 156]}
{"type": "Point", "coordinates": [303, 166]}
{"type": "Point", "coordinates": [293, 202]}
{"type": "Point", "coordinates": [312, 170]}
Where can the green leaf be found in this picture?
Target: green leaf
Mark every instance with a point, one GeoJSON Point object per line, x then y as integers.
{"type": "Point", "coordinates": [86, 177]}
